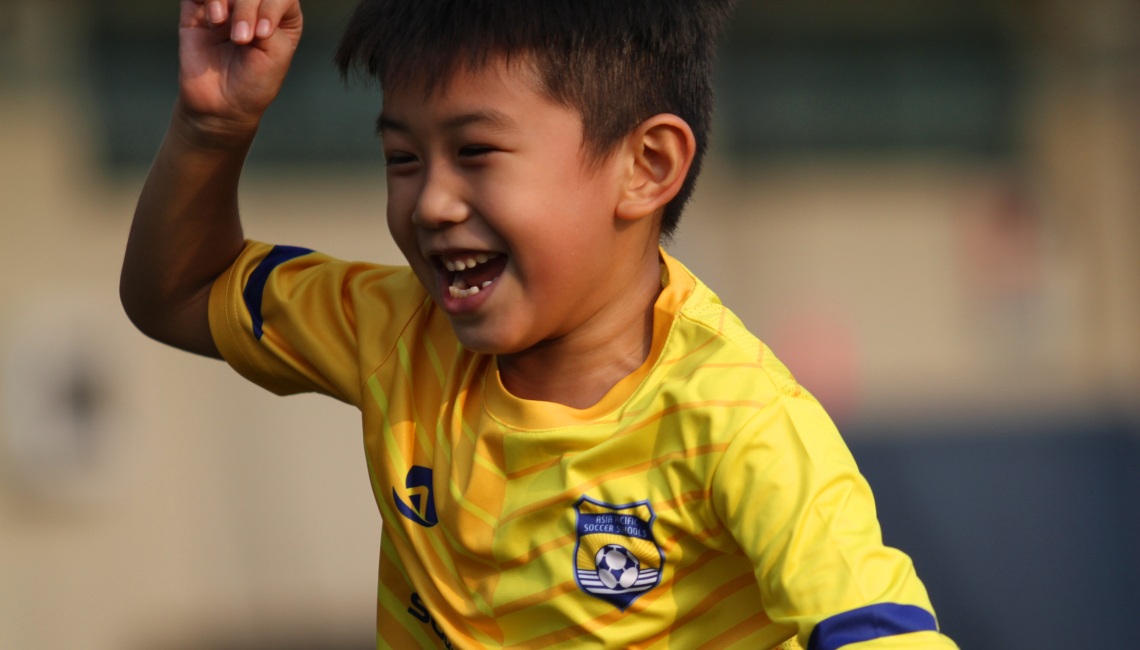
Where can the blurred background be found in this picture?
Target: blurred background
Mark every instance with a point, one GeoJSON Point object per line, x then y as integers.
{"type": "Point", "coordinates": [930, 209]}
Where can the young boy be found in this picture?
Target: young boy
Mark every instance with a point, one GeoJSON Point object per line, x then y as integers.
{"type": "Point", "coordinates": [571, 441]}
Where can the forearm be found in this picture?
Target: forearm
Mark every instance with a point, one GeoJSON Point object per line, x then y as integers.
{"type": "Point", "coordinates": [186, 231]}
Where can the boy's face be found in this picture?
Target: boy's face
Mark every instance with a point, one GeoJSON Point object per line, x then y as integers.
{"type": "Point", "coordinates": [490, 171]}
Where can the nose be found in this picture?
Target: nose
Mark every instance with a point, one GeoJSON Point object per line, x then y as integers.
{"type": "Point", "coordinates": [440, 202]}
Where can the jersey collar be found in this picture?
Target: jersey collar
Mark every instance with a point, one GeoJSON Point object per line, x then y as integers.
{"type": "Point", "coordinates": [519, 413]}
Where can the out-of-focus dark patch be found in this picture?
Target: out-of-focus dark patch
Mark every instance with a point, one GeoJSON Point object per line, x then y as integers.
{"type": "Point", "coordinates": [315, 119]}
{"type": "Point", "coordinates": [1025, 534]}
{"type": "Point", "coordinates": [787, 87]}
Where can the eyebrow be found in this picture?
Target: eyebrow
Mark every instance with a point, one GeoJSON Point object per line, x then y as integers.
{"type": "Point", "coordinates": [493, 118]}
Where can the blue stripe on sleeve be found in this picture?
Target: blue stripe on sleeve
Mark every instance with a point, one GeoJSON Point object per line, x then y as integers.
{"type": "Point", "coordinates": [255, 288]}
{"type": "Point", "coordinates": [869, 623]}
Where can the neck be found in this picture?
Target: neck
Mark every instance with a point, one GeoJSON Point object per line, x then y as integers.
{"type": "Point", "coordinates": [579, 368]}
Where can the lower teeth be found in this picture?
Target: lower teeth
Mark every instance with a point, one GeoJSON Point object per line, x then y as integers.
{"type": "Point", "coordinates": [456, 292]}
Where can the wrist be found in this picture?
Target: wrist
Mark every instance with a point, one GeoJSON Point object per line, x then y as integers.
{"type": "Point", "coordinates": [212, 132]}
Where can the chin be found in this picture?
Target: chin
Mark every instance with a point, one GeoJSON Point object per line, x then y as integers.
{"type": "Point", "coordinates": [478, 339]}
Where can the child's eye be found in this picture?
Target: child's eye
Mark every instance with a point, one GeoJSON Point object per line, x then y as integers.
{"type": "Point", "coordinates": [475, 150]}
{"type": "Point", "coordinates": [396, 159]}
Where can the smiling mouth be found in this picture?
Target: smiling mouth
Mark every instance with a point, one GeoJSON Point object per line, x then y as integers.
{"type": "Point", "coordinates": [469, 272]}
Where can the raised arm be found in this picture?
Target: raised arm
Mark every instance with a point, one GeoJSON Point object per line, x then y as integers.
{"type": "Point", "coordinates": [234, 55]}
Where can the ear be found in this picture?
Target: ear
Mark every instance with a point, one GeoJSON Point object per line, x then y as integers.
{"type": "Point", "coordinates": [660, 152]}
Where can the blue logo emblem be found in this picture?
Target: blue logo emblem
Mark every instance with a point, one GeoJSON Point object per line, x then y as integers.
{"type": "Point", "coordinates": [616, 558]}
{"type": "Point", "coordinates": [422, 510]}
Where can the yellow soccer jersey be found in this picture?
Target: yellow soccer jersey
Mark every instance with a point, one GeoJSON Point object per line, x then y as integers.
{"type": "Point", "coordinates": [706, 502]}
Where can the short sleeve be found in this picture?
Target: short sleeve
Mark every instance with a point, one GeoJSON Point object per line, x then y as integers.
{"type": "Point", "coordinates": [790, 493]}
{"type": "Point", "coordinates": [293, 320]}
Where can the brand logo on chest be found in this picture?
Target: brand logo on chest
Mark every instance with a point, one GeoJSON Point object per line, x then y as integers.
{"type": "Point", "coordinates": [616, 557]}
{"type": "Point", "coordinates": [422, 508]}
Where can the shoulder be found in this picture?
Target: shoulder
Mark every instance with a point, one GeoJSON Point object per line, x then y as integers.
{"type": "Point", "coordinates": [306, 295]}
{"type": "Point", "coordinates": [710, 343]}
{"type": "Point", "coordinates": [368, 295]}
{"type": "Point", "coordinates": [264, 267]}
{"type": "Point", "coordinates": [374, 283]}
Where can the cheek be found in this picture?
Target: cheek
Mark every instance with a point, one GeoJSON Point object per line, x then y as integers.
{"type": "Point", "coordinates": [551, 195]}
{"type": "Point", "coordinates": [559, 234]}
{"type": "Point", "coordinates": [400, 203]}
{"type": "Point", "coordinates": [403, 231]}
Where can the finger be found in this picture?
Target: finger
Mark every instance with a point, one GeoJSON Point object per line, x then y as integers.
{"type": "Point", "coordinates": [217, 12]}
{"type": "Point", "coordinates": [244, 18]}
{"type": "Point", "coordinates": [272, 13]}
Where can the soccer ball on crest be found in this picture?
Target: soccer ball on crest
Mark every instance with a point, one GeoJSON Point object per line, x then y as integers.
{"type": "Point", "coordinates": [617, 567]}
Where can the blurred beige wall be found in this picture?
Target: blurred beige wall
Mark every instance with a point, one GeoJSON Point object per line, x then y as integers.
{"type": "Point", "coordinates": [912, 287]}
{"type": "Point", "coordinates": [207, 510]}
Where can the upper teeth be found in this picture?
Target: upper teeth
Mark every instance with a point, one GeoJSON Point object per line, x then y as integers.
{"type": "Point", "coordinates": [470, 262]}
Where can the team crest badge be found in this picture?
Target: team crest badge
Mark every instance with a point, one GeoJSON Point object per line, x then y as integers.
{"type": "Point", "coordinates": [616, 558]}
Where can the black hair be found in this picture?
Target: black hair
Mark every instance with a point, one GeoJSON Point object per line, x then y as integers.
{"type": "Point", "coordinates": [618, 62]}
